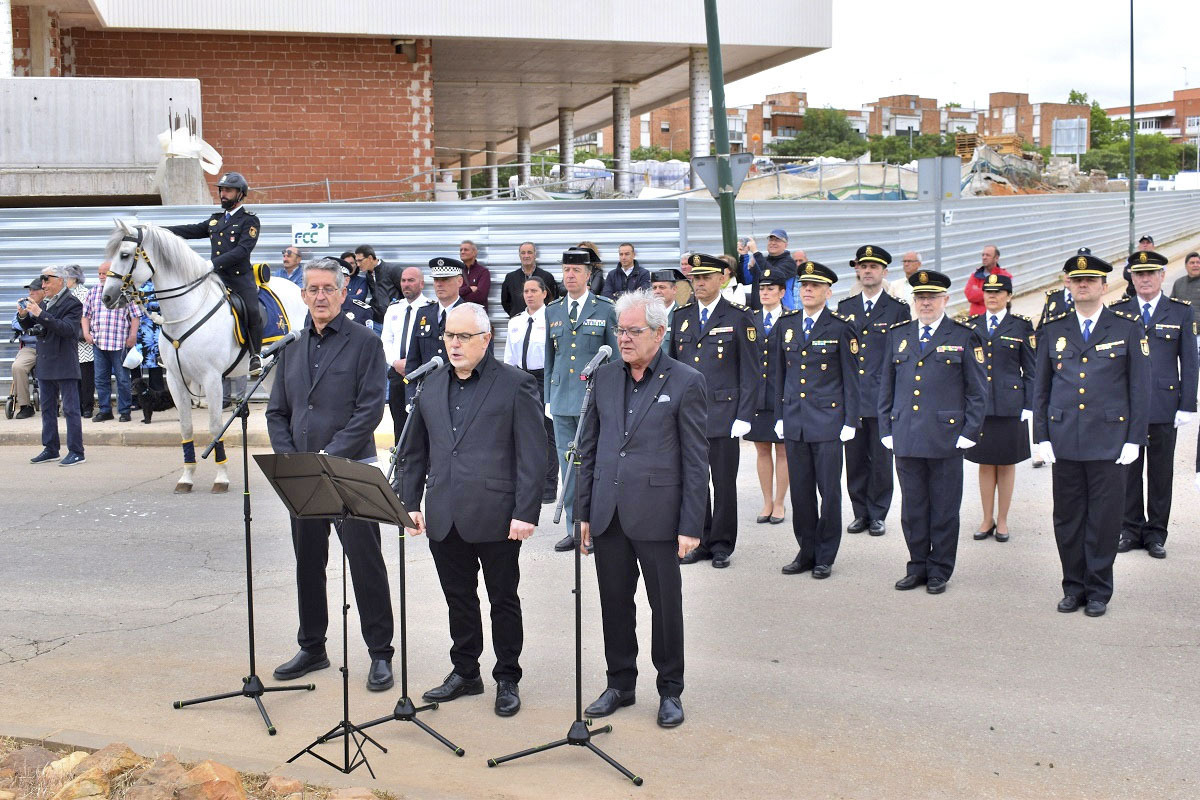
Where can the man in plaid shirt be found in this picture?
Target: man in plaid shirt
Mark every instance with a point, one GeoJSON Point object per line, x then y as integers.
{"type": "Point", "coordinates": [111, 332]}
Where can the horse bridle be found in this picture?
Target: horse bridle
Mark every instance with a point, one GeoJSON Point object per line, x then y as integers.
{"type": "Point", "coordinates": [133, 294]}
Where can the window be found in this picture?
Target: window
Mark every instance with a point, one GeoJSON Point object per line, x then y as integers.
{"type": "Point", "coordinates": [1148, 124]}
{"type": "Point", "coordinates": [665, 127]}
{"type": "Point", "coordinates": [1192, 124]}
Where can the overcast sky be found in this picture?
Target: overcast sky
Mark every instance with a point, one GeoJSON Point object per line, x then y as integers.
{"type": "Point", "coordinates": [959, 52]}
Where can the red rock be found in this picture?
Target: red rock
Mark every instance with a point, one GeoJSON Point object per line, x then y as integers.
{"type": "Point", "coordinates": [279, 785]}
{"type": "Point", "coordinates": [209, 780]}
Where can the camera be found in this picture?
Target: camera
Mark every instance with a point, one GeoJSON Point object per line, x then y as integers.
{"type": "Point", "coordinates": [23, 303]}
{"type": "Point", "coordinates": [36, 330]}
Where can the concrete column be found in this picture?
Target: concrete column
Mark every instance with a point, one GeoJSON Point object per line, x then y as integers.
{"type": "Point", "coordinates": [701, 108]}
{"type": "Point", "coordinates": [624, 182]}
{"type": "Point", "coordinates": [6, 42]}
{"type": "Point", "coordinates": [464, 179]}
{"type": "Point", "coordinates": [39, 41]}
{"type": "Point", "coordinates": [566, 142]}
{"type": "Point", "coordinates": [493, 171]}
{"type": "Point", "coordinates": [524, 156]}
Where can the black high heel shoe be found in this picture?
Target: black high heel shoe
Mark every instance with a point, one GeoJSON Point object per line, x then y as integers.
{"type": "Point", "coordinates": [981, 535]}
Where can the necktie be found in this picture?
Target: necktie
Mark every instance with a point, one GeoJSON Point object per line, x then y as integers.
{"type": "Point", "coordinates": [442, 321]}
{"type": "Point", "coordinates": [574, 315]}
{"type": "Point", "coordinates": [1146, 315]}
{"type": "Point", "coordinates": [925, 337]}
{"type": "Point", "coordinates": [808, 323]}
{"type": "Point", "coordinates": [1087, 329]}
{"type": "Point", "coordinates": [703, 317]}
{"type": "Point", "coordinates": [992, 325]}
{"type": "Point", "coordinates": [767, 323]}
{"type": "Point", "coordinates": [227, 216]}
{"type": "Point", "coordinates": [404, 333]}
{"type": "Point", "coordinates": [868, 306]}
{"type": "Point", "coordinates": [525, 344]}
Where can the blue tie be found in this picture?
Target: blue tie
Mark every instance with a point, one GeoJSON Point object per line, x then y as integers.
{"type": "Point", "coordinates": [703, 317]}
{"type": "Point", "coordinates": [808, 323]}
{"type": "Point", "coordinates": [1087, 330]}
{"type": "Point", "coordinates": [1146, 315]}
{"type": "Point", "coordinates": [767, 324]}
{"type": "Point", "coordinates": [925, 337]}
{"type": "Point", "coordinates": [227, 216]}
{"type": "Point", "coordinates": [992, 327]}
{"type": "Point", "coordinates": [867, 307]}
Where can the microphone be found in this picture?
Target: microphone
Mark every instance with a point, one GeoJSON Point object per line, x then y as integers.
{"type": "Point", "coordinates": [602, 355]}
{"type": "Point", "coordinates": [279, 344]}
{"type": "Point", "coordinates": [423, 370]}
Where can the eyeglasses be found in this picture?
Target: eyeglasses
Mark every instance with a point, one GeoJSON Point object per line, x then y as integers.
{"type": "Point", "coordinates": [45, 278]}
{"type": "Point", "coordinates": [630, 332]}
{"type": "Point", "coordinates": [313, 291]}
{"type": "Point", "coordinates": [463, 338]}
{"type": "Point", "coordinates": [290, 253]}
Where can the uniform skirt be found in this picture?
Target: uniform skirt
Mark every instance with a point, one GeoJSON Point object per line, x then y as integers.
{"type": "Point", "coordinates": [1004, 440]}
{"type": "Point", "coordinates": [762, 428]}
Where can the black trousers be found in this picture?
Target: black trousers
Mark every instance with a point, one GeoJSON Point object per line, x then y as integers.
{"type": "Point", "coordinates": [245, 287]}
{"type": "Point", "coordinates": [360, 541]}
{"type": "Point", "coordinates": [1088, 496]}
{"type": "Point", "coordinates": [930, 497]}
{"type": "Point", "coordinates": [618, 559]}
{"type": "Point", "coordinates": [869, 472]}
{"type": "Point", "coordinates": [87, 387]}
{"type": "Point", "coordinates": [458, 564]}
{"type": "Point", "coordinates": [815, 468]}
{"type": "Point", "coordinates": [396, 402]}
{"type": "Point", "coordinates": [720, 514]}
{"type": "Point", "coordinates": [551, 486]}
{"type": "Point", "coordinates": [1146, 520]}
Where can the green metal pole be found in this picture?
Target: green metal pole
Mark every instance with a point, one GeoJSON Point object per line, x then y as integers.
{"type": "Point", "coordinates": [725, 195]}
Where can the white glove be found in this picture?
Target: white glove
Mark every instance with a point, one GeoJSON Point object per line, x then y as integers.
{"type": "Point", "coordinates": [208, 265]}
{"type": "Point", "coordinates": [887, 442]}
{"type": "Point", "coordinates": [548, 414]}
{"type": "Point", "coordinates": [1026, 415]}
{"type": "Point", "coordinates": [1182, 418]}
{"type": "Point", "coordinates": [1047, 451]}
{"type": "Point", "coordinates": [1129, 454]}
{"type": "Point", "coordinates": [738, 429]}
{"type": "Point", "coordinates": [964, 443]}
{"type": "Point", "coordinates": [779, 428]}
{"type": "Point", "coordinates": [847, 433]}
{"type": "Point", "coordinates": [1198, 480]}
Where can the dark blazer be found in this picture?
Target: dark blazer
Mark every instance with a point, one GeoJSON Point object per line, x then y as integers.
{"type": "Point", "coordinates": [1173, 362]}
{"type": "Point", "coordinates": [927, 400]}
{"type": "Point", "coordinates": [338, 409]}
{"type": "Point", "coordinates": [770, 358]}
{"type": "Point", "coordinates": [512, 297]}
{"type": "Point", "coordinates": [230, 242]}
{"type": "Point", "coordinates": [1090, 399]}
{"type": "Point", "coordinates": [491, 471]}
{"type": "Point", "coordinates": [872, 334]}
{"type": "Point", "coordinates": [387, 286]}
{"type": "Point", "coordinates": [425, 340]}
{"type": "Point", "coordinates": [1010, 364]}
{"type": "Point", "coordinates": [1057, 302]}
{"type": "Point", "coordinates": [57, 354]}
{"type": "Point", "coordinates": [816, 383]}
{"type": "Point", "coordinates": [752, 269]}
{"type": "Point", "coordinates": [650, 467]}
{"type": "Point", "coordinates": [726, 351]}
{"type": "Point", "coordinates": [617, 284]}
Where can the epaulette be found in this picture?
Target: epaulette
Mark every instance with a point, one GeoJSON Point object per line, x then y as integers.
{"type": "Point", "coordinates": [1118, 302]}
{"type": "Point", "coordinates": [1180, 300]}
{"type": "Point", "coordinates": [1125, 314]}
{"type": "Point", "coordinates": [739, 306]}
{"type": "Point", "coordinates": [789, 313]}
{"type": "Point", "coordinates": [688, 304]}
{"type": "Point", "coordinates": [603, 299]}
{"type": "Point", "coordinates": [898, 324]}
{"type": "Point", "coordinates": [1022, 316]}
{"type": "Point", "coordinates": [962, 323]}
{"type": "Point", "coordinates": [555, 302]}
{"type": "Point", "coordinates": [900, 300]}
{"type": "Point", "coordinates": [976, 316]}
{"type": "Point", "coordinates": [1057, 317]}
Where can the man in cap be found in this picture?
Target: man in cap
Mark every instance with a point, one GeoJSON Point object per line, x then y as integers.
{"type": "Point", "coordinates": [26, 357]}
{"type": "Point", "coordinates": [868, 463]}
{"type": "Point", "coordinates": [752, 263]}
{"type": "Point", "coordinates": [291, 269]}
{"type": "Point", "coordinates": [816, 403]}
{"type": "Point", "coordinates": [232, 234]}
{"type": "Point", "coordinates": [426, 341]}
{"type": "Point", "coordinates": [662, 284]}
{"type": "Point", "coordinates": [577, 326]}
{"type": "Point", "coordinates": [1091, 407]}
{"type": "Point", "coordinates": [931, 409]}
{"type": "Point", "coordinates": [1170, 331]}
{"type": "Point", "coordinates": [1145, 244]}
{"type": "Point", "coordinates": [720, 339]}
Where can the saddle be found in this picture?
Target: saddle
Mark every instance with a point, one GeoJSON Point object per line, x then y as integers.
{"type": "Point", "coordinates": [274, 316]}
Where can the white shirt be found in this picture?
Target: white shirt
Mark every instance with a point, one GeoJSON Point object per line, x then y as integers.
{"type": "Point", "coordinates": [1080, 318]}
{"type": "Point", "coordinates": [807, 316]}
{"type": "Point", "coordinates": [873, 299]}
{"type": "Point", "coordinates": [734, 293]}
{"type": "Point", "coordinates": [933, 326]}
{"type": "Point", "coordinates": [582, 300]}
{"type": "Point", "coordinates": [999, 315]}
{"type": "Point", "coordinates": [234, 211]}
{"type": "Point", "coordinates": [710, 308]}
{"type": "Point", "coordinates": [1153, 304]}
{"type": "Point", "coordinates": [535, 358]}
{"type": "Point", "coordinates": [394, 331]}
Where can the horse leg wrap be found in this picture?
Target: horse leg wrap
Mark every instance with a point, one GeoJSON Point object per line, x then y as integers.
{"type": "Point", "coordinates": [189, 452]}
{"type": "Point", "coordinates": [220, 449]}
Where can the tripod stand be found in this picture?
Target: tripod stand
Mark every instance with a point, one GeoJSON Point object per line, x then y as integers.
{"type": "Point", "coordinates": [252, 685]}
{"type": "Point", "coordinates": [580, 733]}
{"type": "Point", "coordinates": [406, 710]}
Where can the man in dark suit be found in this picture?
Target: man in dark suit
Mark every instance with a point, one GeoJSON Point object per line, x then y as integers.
{"type": "Point", "coordinates": [328, 396]}
{"type": "Point", "coordinates": [1170, 330]}
{"type": "Point", "coordinates": [629, 276]}
{"type": "Point", "coordinates": [931, 409]}
{"type": "Point", "coordinates": [383, 283]}
{"type": "Point", "coordinates": [720, 339]}
{"type": "Point", "coordinates": [426, 341]}
{"type": "Point", "coordinates": [1091, 407]}
{"type": "Point", "coordinates": [477, 450]}
{"type": "Point", "coordinates": [868, 463]}
{"type": "Point", "coordinates": [641, 493]}
{"type": "Point", "coordinates": [816, 405]}
{"type": "Point", "coordinates": [58, 330]}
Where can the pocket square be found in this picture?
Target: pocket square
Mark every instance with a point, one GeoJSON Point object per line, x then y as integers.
{"type": "Point", "coordinates": [663, 398]}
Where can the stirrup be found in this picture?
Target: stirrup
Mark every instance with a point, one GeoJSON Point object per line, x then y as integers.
{"type": "Point", "coordinates": [255, 366]}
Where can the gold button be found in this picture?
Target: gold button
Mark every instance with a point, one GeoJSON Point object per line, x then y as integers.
{"type": "Point", "coordinates": [803, 352]}
{"type": "Point", "coordinates": [1082, 390]}
{"type": "Point", "coordinates": [862, 372]}
{"type": "Point", "coordinates": [1122, 419]}
{"type": "Point", "coordinates": [834, 405]}
{"type": "Point", "coordinates": [1081, 406]}
{"type": "Point", "coordinates": [697, 359]}
{"type": "Point", "coordinates": [916, 408]}
{"type": "Point", "coordinates": [990, 377]}
{"type": "Point", "coordinates": [571, 371]}
{"type": "Point", "coordinates": [916, 377]}
{"type": "Point", "coordinates": [572, 358]}
{"type": "Point", "coordinates": [572, 344]}
{"type": "Point", "coordinates": [802, 394]}
{"type": "Point", "coordinates": [1083, 375]}
{"type": "Point", "coordinates": [916, 392]}
{"type": "Point", "coordinates": [803, 381]}
{"type": "Point", "coordinates": [862, 358]}
{"type": "Point", "coordinates": [920, 363]}
{"type": "Point", "coordinates": [764, 374]}
{"type": "Point", "coordinates": [699, 345]}
{"type": "Point", "coordinates": [1084, 359]}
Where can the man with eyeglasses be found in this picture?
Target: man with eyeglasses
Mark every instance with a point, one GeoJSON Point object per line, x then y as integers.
{"type": "Point", "coordinates": [290, 271]}
{"type": "Point", "coordinates": [56, 322]}
{"type": "Point", "coordinates": [476, 450]}
{"type": "Point", "coordinates": [910, 262]}
{"type": "Point", "coordinates": [425, 341]}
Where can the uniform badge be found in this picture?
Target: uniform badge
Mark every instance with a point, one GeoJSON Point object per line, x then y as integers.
{"type": "Point", "coordinates": [854, 345]}
{"type": "Point", "coordinates": [350, 315]}
{"type": "Point", "coordinates": [993, 279]}
{"type": "Point", "coordinates": [1146, 347]}
{"type": "Point", "coordinates": [253, 232]}
{"type": "Point", "coordinates": [1060, 345]}
{"type": "Point", "coordinates": [923, 277]}
{"type": "Point", "coordinates": [979, 354]}
{"type": "Point", "coordinates": [808, 268]}
{"type": "Point", "coordinates": [683, 327]}
{"type": "Point", "coordinates": [868, 251]}
{"type": "Point", "coordinates": [1081, 262]}
{"type": "Point", "coordinates": [1033, 341]}
{"type": "Point", "coordinates": [751, 333]}
{"type": "Point", "coordinates": [903, 344]}
{"type": "Point", "coordinates": [1052, 305]}
{"type": "Point", "coordinates": [695, 261]}
{"type": "Point", "coordinates": [787, 337]}
{"type": "Point", "coordinates": [212, 223]}
{"type": "Point", "coordinates": [1142, 259]}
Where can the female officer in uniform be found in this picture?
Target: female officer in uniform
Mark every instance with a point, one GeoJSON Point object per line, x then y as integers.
{"type": "Point", "coordinates": [772, 466]}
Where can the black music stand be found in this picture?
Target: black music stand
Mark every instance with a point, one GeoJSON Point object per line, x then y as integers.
{"type": "Point", "coordinates": [320, 486]}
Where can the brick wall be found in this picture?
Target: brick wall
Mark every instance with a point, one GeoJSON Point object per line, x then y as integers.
{"type": "Point", "coordinates": [290, 109]}
{"type": "Point", "coordinates": [20, 24]}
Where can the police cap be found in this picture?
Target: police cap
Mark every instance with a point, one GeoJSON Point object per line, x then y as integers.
{"type": "Point", "coordinates": [872, 254]}
{"type": "Point", "coordinates": [1082, 266]}
{"type": "Point", "coordinates": [580, 255]}
{"type": "Point", "coordinates": [773, 277]}
{"type": "Point", "coordinates": [1146, 261]}
{"type": "Point", "coordinates": [669, 275]}
{"type": "Point", "coordinates": [445, 267]}
{"type": "Point", "coordinates": [925, 281]}
{"type": "Point", "coordinates": [812, 272]}
{"type": "Point", "coordinates": [705, 264]}
{"type": "Point", "coordinates": [998, 283]}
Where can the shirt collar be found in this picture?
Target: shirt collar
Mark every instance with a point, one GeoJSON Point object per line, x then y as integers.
{"type": "Point", "coordinates": [332, 326]}
{"type": "Point", "coordinates": [933, 326]}
{"type": "Point", "coordinates": [582, 299]}
{"type": "Point", "coordinates": [999, 315]}
{"type": "Point", "coordinates": [813, 317]}
{"type": "Point", "coordinates": [447, 308]}
{"type": "Point", "coordinates": [650, 368]}
{"type": "Point", "coordinates": [1153, 303]}
{"type": "Point", "coordinates": [711, 306]}
{"type": "Point", "coordinates": [417, 303]}
{"type": "Point", "coordinates": [539, 314]}
{"type": "Point", "coordinates": [234, 211]}
{"type": "Point", "coordinates": [1079, 318]}
{"type": "Point", "coordinates": [874, 299]}
{"type": "Point", "coordinates": [774, 312]}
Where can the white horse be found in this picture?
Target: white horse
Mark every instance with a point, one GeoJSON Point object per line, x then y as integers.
{"type": "Point", "coordinates": [196, 343]}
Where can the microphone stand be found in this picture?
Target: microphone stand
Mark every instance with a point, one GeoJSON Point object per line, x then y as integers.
{"type": "Point", "coordinates": [252, 685]}
{"type": "Point", "coordinates": [580, 733]}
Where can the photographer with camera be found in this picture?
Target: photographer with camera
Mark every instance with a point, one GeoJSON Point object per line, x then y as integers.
{"type": "Point", "coordinates": [57, 327]}
{"type": "Point", "coordinates": [26, 357]}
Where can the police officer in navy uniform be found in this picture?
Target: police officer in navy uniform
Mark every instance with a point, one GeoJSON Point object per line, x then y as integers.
{"type": "Point", "coordinates": [868, 463]}
{"type": "Point", "coordinates": [425, 341]}
{"type": "Point", "coordinates": [931, 408]}
{"type": "Point", "coordinates": [1170, 330]}
{"type": "Point", "coordinates": [662, 284]}
{"type": "Point", "coordinates": [1091, 407]}
{"type": "Point", "coordinates": [232, 234]}
{"type": "Point", "coordinates": [721, 340]}
{"type": "Point", "coordinates": [816, 402]}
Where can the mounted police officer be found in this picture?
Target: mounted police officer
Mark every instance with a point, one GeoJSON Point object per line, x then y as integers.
{"type": "Point", "coordinates": [232, 234]}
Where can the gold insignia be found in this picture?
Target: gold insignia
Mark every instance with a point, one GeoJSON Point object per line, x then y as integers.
{"type": "Point", "coordinates": [766, 273]}
{"type": "Point", "coordinates": [869, 251]}
{"type": "Point", "coordinates": [1033, 341]}
{"type": "Point", "coordinates": [253, 233]}
{"type": "Point", "coordinates": [212, 222]}
{"type": "Point", "coordinates": [1142, 257]}
{"type": "Point", "coordinates": [683, 327]}
{"type": "Point", "coordinates": [751, 333]}
{"type": "Point", "coordinates": [808, 268]}
{"type": "Point", "coordinates": [695, 261]}
{"type": "Point", "coordinates": [923, 277]}
{"type": "Point", "coordinates": [1195, 328]}
{"type": "Point", "coordinates": [787, 337]}
{"type": "Point", "coordinates": [993, 279]}
{"type": "Point", "coordinates": [1081, 262]}
{"type": "Point", "coordinates": [979, 354]}
{"type": "Point", "coordinates": [1060, 345]}
{"type": "Point", "coordinates": [853, 346]}
{"type": "Point", "coordinates": [903, 344]}
{"type": "Point", "coordinates": [1146, 346]}
{"type": "Point", "coordinates": [1051, 308]}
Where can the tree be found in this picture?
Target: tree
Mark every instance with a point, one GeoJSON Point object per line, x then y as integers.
{"type": "Point", "coordinates": [1077, 98]}
{"type": "Point", "coordinates": [1153, 154]}
{"type": "Point", "coordinates": [900, 149]}
{"type": "Point", "coordinates": [656, 153]}
{"type": "Point", "coordinates": [826, 132]}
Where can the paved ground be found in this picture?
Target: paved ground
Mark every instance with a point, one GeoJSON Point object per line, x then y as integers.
{"type": "Point", "coordinates": [117, 597]}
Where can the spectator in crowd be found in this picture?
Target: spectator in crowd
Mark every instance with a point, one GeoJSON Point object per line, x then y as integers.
{"type": "Point", "coordinates": [111, 332]}
{"type": "Point", "coordinates": [1187, 286]}
{"type": "Point", "coordinates": [911, 262]}
{"type": "Point", "coordinates": [989, 263]}
{"type": "Point", "coordinates": [596, 278]}
{"type": "Point", "coordinates": [383, 279]}
{"type": "Point", "coordinates": [731, 290]}
{"type": "Point", "coordinates": [753, 262]}
{"type": "Point", "coordinates": [526, 348]}
{"type": "Point", "coordinates": [398, 324]}
{"type": "Point", "coordinates": [26, 357]}
{"type": "Point", "coordinates": [629, 276]}
{"type": "Point", "coordinates": [683, 286]}
{"type": "Point", "coordinates": [87, 373]}
{"type": "Point", "coordinates": [477, 280]}
{"type": "Point", "coordinates": [147, 380]}
{"type": "Point", "coordinates": [57, 328]}
{"type": "Point", "coordinates": [512, 292]}
{"type": "Point", "coordinates": [291, 271]}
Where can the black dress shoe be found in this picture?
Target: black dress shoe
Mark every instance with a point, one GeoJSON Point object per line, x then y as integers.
{"type": "Point", "coordinates": [608, 702]}
{"type": "Point", "coordinates": [877, 527]}
{"type": "Point", "coordinates": [909, 582]}
{"type": "Point", "coordinates": [857, 526]}
{"type": "Point", "coordinates": [759, 519]}
{"type": "Point", "coordinates": [379, 677]}
{"type": "Point", "coordinates": [821, 571]}
{"type": "Point", "coordinates": [508, 699]}
{"type": "Point", "coordinates": [696, 555]}
{"type": "Point", "coordinates": [1039, 464]}
{"type": "Point", "coordinates": [794, 568]}
{"type": "Point", "coordinates": [303, 663]}
{"type": "Point", "coordinates": [27, 411]}
{"type": "Point", "coordinates": [549, 496]}
{"type": "Point", "coordinates": [565, 544]}
{"type": "Point", "coordinates": [454, 686]}
{"type": "Point", "coordinates": [670, 712]}
{"type": "Point", "coordinates": [1156, 550]}
{"type": "Point", "coordinates": [981, 535]}
{"type": "Point", "coordinates": [44, 456]}
{"type": "Point", "coordinates": [102, 416]}
{"type": "Point", "coordinates": [1001, 537]}
{"type": "Point", "coordinates": [776, 520]}
{"type": "Point", "coordinates": [720, 560]}
{"type": "Point", "coordinates": [1124, 545]}
{"type": "Point", "coordinates": [1096, 608]}
{"type": "Point", "coordinates": [124, 418]}
{"type": "Point", "coordinates": [935, 586]}
{"type": "Point", "coordinates": [1069, 603]}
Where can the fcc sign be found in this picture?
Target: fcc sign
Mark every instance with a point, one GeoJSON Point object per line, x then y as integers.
{"type": "Point", "coordinates": [310, 234]}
